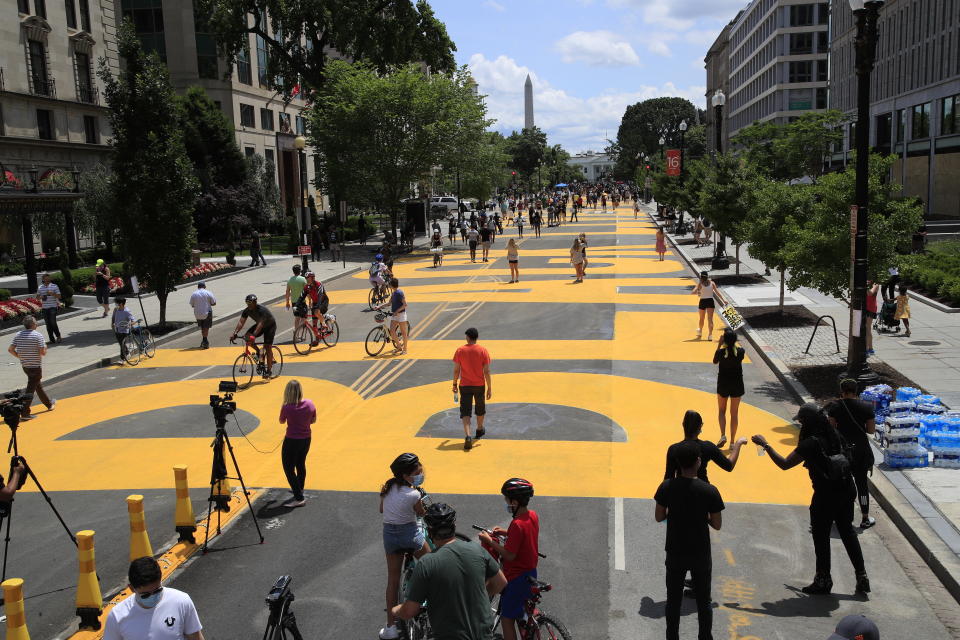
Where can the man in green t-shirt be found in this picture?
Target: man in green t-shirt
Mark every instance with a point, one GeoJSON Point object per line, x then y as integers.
{"type": "Point", "coordinates": [457, 580]}
{"type": "Point", "coordinates": [295, 286]}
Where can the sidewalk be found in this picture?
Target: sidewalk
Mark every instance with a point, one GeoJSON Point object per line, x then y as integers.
{"type": "Point", "coordinates": [923, 503]}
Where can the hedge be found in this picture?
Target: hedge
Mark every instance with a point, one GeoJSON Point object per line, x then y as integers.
{"type": "Point", "coordinates": [937, 271]}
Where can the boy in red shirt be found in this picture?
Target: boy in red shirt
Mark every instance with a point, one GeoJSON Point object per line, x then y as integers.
{"type": "Point", "coordinates": [471, 377]}
{"type": "Point", "coordinates": [519, 553]}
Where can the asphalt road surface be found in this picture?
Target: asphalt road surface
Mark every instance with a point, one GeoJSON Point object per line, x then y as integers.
{"type": "Point", "coordinates": [590, 385]}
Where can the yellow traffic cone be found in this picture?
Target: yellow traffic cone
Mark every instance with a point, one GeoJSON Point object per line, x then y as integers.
{"type": "Point", "coordinates": [183, 516]}
{"type": "Point", "coordinates": [139, 540]}
{"type": "Point", "coordinates": [89, 598]}
{"type": "Point", "coordinates": [13, 607]}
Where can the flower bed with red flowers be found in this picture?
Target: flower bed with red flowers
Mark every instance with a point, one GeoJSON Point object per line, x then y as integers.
{"type": "Point", "coordinates": [116, 286]}
{"type": "Point", "coordinates": [191, 274]}
{"type": "Point", "coordinates": [14, 310]}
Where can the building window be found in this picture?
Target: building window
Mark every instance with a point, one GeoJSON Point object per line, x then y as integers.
{"type": "Point", "coordinates": [91, 129]}
{"type": "Point", "coordinates": [85, 15]}
{"type": "Point", "coordinates": [23, 6]}
{"type": "Point", "coordinates": [271, 164]}
{"type": "Point", "coordinates": [147, 18]}
{"type": "Point", "coordinates": [301, 126]}
{"type": "Point", "coordinates": [71, 13]}
{"type": "Point", "coordinates": [249, 152]}
{"type": "Point", "coordinates": [41, 8]}
{"type": "Point", "coordinates": [44, 124]}
{"type": "Point", "coordinates": [84, 78]}
{"type": "Point", "coordinates": [801, 43]}
{"type": "Point", "coordinates": [821, 70]}
{"type": "Point", "coordinates": [206, 56]}
{"type": "Point", "coordinates": [39, 80]}
{"type": "Point", "coordinates": [285, 123]}
{"type": "Point", "coordinates": [801, 15]}
{"type": "Point", "coordinates": [852, 136]}
{"type": "Point", "coordinates": [266, 119]}
{"type": "Point", "coordinates": [901, 124]}
{"type": "Point", "coordinates": [243, 66]}
{"type": "Point", "coordinates": [822, 98]}
{"type": "Point", "coordinates": [921, 121]}
{"type": "Point", "coordinates": [950, 117]}
{"type": "Point", "coordinates": [263, 61]}
{"type": "Point", "coordinates": [823, 42]}
{"type": "Point", "coordinates": [823, 13]}
{"type": "Point", "coordinates": [801, 71]}
{"type": "Point", "coordinates": [247, 117]}
{"type": "Point", "coordinates": [883, 125]}
{"type": "Point", "coordinates": [218, 105]}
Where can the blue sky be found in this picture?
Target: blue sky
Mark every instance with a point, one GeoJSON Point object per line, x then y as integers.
{"type": "Point", "coordinates": [589, 59]}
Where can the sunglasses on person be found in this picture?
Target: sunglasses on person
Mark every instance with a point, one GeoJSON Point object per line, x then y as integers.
{"type": "Point", "coordinates": [149, 594]}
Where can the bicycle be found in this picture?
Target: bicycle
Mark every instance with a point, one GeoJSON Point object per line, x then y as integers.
{"type": "Point", "coordinates": [437, 256]}
{"type": "Point", "coordinates": [379, 295]}
{"type": "Point", "coordinates": [535, 624]}
{"type": "Point", "coordinates": [249, 362]}
{"type": "Point", "coordinates": [379, 336]}
{"type": "Point", "coordinates": [138, 341]}
{"type": "Point", "coordinates": [308, 335]}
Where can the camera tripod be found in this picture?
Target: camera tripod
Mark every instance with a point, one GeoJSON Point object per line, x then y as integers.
{"type": "Point", "coordinates": [219, 470]}
{"type": "Point", "coordinates": [281, 620]}
{"type": "Point", "coordinates": [11, 416]}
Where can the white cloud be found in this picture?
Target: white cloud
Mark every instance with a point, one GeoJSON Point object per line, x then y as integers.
{"type": "Point", "coordinates": [681, 11]}
{"type": "Point", "coordinates": [658, 42]}
{"type": "Point", "coordinates": [576, 123]}
{"type": "Point", "coordinates": [493, 4]}
{"type": "Point", "coordinates": [597, 49]}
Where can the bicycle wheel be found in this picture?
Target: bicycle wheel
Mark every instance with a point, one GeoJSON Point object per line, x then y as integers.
{"type": "Point", "coordinates": [131, 350]}
{"type": "Point", "coordinates": [277, 362]}
{"type": "Point", "coordinates": [376, 340]}
{"type": "Point", "coordinates": [243, 368]}
{"type": "Point", "coordinates": [333, 336]}
{"type": "Point", "coordinates": [551, 629]}
{"type": "Point", "coordinates": [302, 339]}
{"type": "Point", "coordinates": [372, 298]}
{"type": "Point", "coordinates": [149, 346]}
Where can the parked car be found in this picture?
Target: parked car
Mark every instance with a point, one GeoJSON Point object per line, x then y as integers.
{"type": "Point", "coordinates": [443, 205]}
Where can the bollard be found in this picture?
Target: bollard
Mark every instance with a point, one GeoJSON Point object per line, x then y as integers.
{"type": "Point", "coordinates": [13, 607]}
{"type": "Point", "coordinates": [183, 515]}
{"type": "Point", "coordinates": [89, 598]}
{"type": "Point", "coordinates": [139, 540]}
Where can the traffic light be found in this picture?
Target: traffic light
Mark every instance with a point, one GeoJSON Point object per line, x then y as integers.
{"type": "Point", "coordinates": [513, 173]}
{"type": "Point", "coordinates": [648, 167]}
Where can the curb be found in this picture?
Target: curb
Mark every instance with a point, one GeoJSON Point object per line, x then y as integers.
{"type": "Point", "coordinates": [932, 303]}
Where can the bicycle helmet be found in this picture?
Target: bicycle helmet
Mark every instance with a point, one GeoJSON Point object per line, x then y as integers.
{"type": "Point", "coordinates": [309, 274]}
{"type": "Point", "coordinates": [378, 257]}
{"type": "Point", "coordinates": [404, 464]}
{"type": "Point", "coordinates": [517, 489]}
{"type": "Point", "coordinates": [440, 517]}
{"type": "Point", "coordinates": [251, 298]}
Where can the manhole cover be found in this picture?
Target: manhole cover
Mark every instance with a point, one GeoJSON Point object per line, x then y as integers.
{"type": "Point", "coordinates": [924, 343]}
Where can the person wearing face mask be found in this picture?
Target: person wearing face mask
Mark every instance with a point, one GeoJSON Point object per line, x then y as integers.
{"type": "Point", "coordinates": [401, 503]}
{"type": "Point", "coordinates": [153, 611]}
{"type": "Point", "coordinates": [519, 552]}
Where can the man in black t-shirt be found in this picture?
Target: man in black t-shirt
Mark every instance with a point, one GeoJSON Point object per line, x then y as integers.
{"type": "Point", "coordinates": [264, 325]}
{"type": "Point", "coordinates": [690, 506]}
{"type": "Point", "coordinates": [485, 242]}
{"type": "Point", "coordinates": [854, 419]}
{"type": "Point", "coordinates": [709, 452]}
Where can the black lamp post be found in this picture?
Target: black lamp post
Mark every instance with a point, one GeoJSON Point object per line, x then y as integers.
{"type": "Point", "coordinates": [299, 143]}
{"type": "Point", "coordinates": [683, 134]}
{"type": "Point", "coordinates": [865, 44]}
{"type": "Point", "coordinates": [720, 260]}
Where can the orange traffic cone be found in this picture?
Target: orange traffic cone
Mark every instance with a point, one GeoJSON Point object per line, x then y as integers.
{"type": "Point", "coordinates": [89, 598]}
{"type": "Point", "coordinates": [139, 540]}
{"type": "Point", "coordinates": [183, 515]}
{"type": "Point", "coordinates": [13, 607]}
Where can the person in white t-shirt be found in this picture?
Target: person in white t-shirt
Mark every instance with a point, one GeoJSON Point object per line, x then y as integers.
{"type": "Point", "coordinates": [153, 612]}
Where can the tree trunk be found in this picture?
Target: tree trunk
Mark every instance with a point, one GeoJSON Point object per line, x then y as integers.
{"type": "Point", "coordinates": [783, 284]}
{"type": "Point", "coordinates": [70, 229]}
{"type": "Point", "coordinates": [162, 299]}
{"type": "Point", "coordinates": [738, 259]}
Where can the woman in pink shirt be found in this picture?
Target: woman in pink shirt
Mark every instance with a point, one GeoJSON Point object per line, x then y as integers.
{"type": "Point", "coordinates": [298, 414]}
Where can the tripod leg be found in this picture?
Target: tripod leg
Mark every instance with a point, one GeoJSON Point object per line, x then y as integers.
{"type": "Point", "coordinates": [243, 486]}
{"type": "Point", "coordinates": [290, 623]}
{"type": "Point", "coordinates": [6, 542]}
{"type": "Point", "coordinates": [206, 533]}
{"type": "Point", "coordinates": [33, 477]}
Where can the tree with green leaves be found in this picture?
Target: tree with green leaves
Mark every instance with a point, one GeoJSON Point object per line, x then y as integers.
{"type": "Point", "coordinates": [153, 180]}
{"type": "Point", "coordinates": [527, 149]}
{"type": "Point", "coordinates": [210, 141]}
{"type": "Point", "coordinates": [303, 37]}
{"type": "Point", "coordinates": [721, 198]}
{"type": "Point", "coordinates": [486, 169]}
{"type": "Point", "coordinates": [96, 209]}
{"type": "Point", "coordinates": [799, 149]}
{"type": "Point", "coordinates": [377, 133]}
{"type": "Point", "coordinates": [642, 126]}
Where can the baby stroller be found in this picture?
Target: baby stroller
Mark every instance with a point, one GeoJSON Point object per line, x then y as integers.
{"type": "Point", "coordinates": [886, 322]}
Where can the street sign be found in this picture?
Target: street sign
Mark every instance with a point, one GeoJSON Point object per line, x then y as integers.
{"type": "Point", "coordinates": [855, 315]}
{"type": "Point", "coordinates": [673, 162]}
{"type": "Point", "coordinates": [343, 212]}
{"type": "Point", "coordinates": [303, 250]}
{"type": "Point", "coordinates": [134, 285]}
{"type": "Point", "coordinates": [648, 183]}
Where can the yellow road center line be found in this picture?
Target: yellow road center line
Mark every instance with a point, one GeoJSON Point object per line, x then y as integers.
{"type": "Point", "coordinates": [728, 554]}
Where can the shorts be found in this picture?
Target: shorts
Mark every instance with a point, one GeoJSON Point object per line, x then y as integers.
{"type": "Point", "coordinates": [267, 334]}
{"type": "Point", "coordinates": [376, 282]}
{"type": "Point", "coordinates": [205, 323]}
{"type": "Point", "coordinates": [512, 261]}
{"type": "Point", "coordinates": [478, 398]}
{"type": "Point", "coordinates": [320, 309]}
{"type": "Point", "coordinates": [486, 244]}
{"type": "Point", "coordinates": [707, 303]}
{"type": "Point", "coordinates": [398, 538]}
{"type": "Point", "coordinates": [399, 317]}
{"type": "Point", "coordinates": [473, 245]}
{"type": "Point", "coordinates": [515, 595]}
{"type": "Point", "coordinates": [870, 314]}
{"type": "Point", "coordinates": [103, 295]}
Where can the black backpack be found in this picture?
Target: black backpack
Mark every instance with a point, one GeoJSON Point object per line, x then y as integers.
{"type": "Point", "coordinates": [837, 468]}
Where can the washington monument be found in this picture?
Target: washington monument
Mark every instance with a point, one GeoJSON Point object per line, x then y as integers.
{"type": "Point", "coordinates": [528, 104]}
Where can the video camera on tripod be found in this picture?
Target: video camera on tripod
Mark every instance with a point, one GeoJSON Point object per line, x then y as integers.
{"type": "Point", "coordinates": [281, 618]}
{"type": "Point", "coordinates": [12, 406]}
{"type": "Point", "coordinates": [225, 403]}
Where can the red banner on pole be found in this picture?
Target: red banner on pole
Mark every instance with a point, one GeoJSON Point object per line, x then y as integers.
{"type": "Point", "coordinates": [673, 162]}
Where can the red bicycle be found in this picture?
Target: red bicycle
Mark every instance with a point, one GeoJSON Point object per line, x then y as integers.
{"type": "Point", "coordinates": [308, 335]}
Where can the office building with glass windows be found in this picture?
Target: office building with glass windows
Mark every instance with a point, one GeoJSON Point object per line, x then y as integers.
{"type": "Point", "coordinates": [914, 100]}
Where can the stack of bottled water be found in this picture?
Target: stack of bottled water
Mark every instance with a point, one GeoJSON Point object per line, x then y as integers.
{"type": "Point", "coordinates": [944, 439]}
{"type": "Point", "coordinates": [911, 425]}
{"type": "Point", "coordinates": [879, 396]}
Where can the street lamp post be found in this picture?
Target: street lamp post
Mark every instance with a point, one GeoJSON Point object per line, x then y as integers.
{"type": "Point", "coordinates": [865, 45]}
{"type": "Point", "coordinates": [683, 133]}
{"type": "Point", "coordinates": [720, 260]}
{"type": "Point", "coordinates": [299, 143]}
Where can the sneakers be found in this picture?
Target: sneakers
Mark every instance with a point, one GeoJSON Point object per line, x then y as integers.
{"type": "Point", "coordinates": [267, 375]}
{"type": "Point", "coordinates": [480, 433]}
{"type": "Point", "coordinates": [389, 633]}
{"type": "Point", "coordinates": [467, 443]}
{"type": "Point", "coordinates": [53, 403]}
{"type": "Point", "coordinates": [699, 333]}
{"type": "Point", "coordinates": [204, 344]}
{"type": "Point", "coordinates": [863, 583]}
{"type": "Point", "coordinates": [870, 352]}
{"type": "Point", "coordinates": [294, 503]}
{"type": "Point", "coordinates": [821, 584]}
{"type": "Point", "coordinates": [867, 522]}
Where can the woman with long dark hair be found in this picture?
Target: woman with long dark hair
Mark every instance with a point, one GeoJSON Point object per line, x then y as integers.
{"type": "Point", "coordinates": [729, 360]}
{"type": "Point", "coordinates": [707, 290]}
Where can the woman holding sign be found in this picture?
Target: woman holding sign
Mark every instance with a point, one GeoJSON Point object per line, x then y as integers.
{"type": "Point", "coordinates": [729, 359]}
{"type": "Point", "coordinates": [706, 289]}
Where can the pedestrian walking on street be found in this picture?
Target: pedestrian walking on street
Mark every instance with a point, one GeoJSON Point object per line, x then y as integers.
{"type": "Point", "coordinates": [398, 321]}
{"type": "Point", "coordinates": [362, 229]}
{"type": "Point", "coordinates": [485, 235]}
{"type": "Point", "coordinates": [298, 414]}
{"type": "Point", "coordinates": [122, 323]}
{"type": "Point", "coordinates": [661, 242]}
{"type": "Point", "coordinates": [101, 277]}
{"type": "Point", "coordinates": [295, 286]}
{"type": "Point", "coordinates": [29, 348]}
{"type": "Point", "coordinates": [706, 289]}
{"type": "Point", "coordinates": [873, 288]}
{"type": "Point", "coordinates": [513, 259]}
{"type": "Point", "coordinates": [821, 451]}
{"type": "Point", "coordinates": [636, 209]}
{"type": "Point", "coordinates": [334, 245]}
{"type": "Point", "coordinates": [50, 303]}
{"type": "Point", "coordinates": [471, 380]}
{"type": "Point", "coordinates": [473, 236]}
{"type": "Point", "coordinates": [256, 251]}
{"type": "Point", "coordinates": [903, 309]}
{"type": "Point", "coordinates": [890, 288]}
{"type": "Point", "coordinates": [535, 221]}
{"type": "Point", "coordinates": [690, 506]}
{"type": "Point", "coordinates": [519, 221]}
{"type": "Point", "coordinates": [576, 259]}
{"type": "Point", "coordinates": [583, 251]}
{"type": "Point", "coordinates": [203, 302]}
{"type": "Point", "coordinates": [855, 420]}
{"type": "Point", "coordinates": [709, 452]}
{"type": "Point", "coordinates": [451, 230]}
{"type": "Point", "coordinates": [729, 360]}
{"type": "Point", "coordinates": [316, 243]}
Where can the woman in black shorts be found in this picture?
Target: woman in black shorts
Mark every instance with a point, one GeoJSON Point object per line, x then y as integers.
{"type": "Point", "coordinates": [706, 289]}
{"type": "Point", "coordinates": [729, 359]}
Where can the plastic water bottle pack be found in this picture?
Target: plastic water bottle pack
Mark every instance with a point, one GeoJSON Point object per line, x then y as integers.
{"type": "Point", "coordinates": [907, 394]}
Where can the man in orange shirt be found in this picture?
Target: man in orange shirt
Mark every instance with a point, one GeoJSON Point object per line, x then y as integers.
{"type": "Point", "coordinates": [471, 374]}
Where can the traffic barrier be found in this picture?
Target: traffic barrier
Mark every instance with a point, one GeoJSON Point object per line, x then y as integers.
{"type": "Point", "coordinates": [139, 540]}
{"type": "Point", "coordinates": [89, 598]}
{"type": "Point", "coordinates": [13, 608]}
{"type": "Point", "coordinates": [184, 520]}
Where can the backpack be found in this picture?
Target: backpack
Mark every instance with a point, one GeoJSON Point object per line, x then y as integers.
{"type": "Point", "coordinates": [374, 269]}
{"type": "Point", "coordinates": [838, 468]}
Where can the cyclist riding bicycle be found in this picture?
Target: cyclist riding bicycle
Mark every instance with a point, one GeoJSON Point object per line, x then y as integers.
{"type": "Point", "coordinates": [378, 271]}
{"type": "Point", "coordinates": [265, 325]}
{"type": "Point", "coordinates": [519, 553]}
{"type": "Point", "coordinates": [315, 296]}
